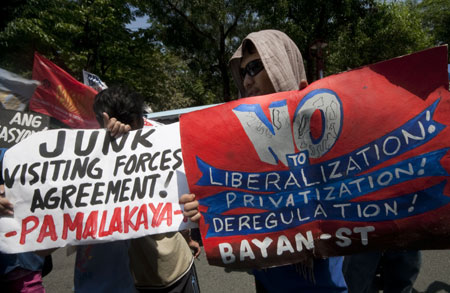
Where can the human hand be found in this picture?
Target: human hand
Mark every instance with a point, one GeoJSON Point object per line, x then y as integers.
{"type": "Point", "coordinates": [6, 208]}
{"type": "Point", "coordinates": [195, 247]}
{"type": "Point", "coordinates": [190, 207]}
{"type": "Point", "coordinates": [115, 127]}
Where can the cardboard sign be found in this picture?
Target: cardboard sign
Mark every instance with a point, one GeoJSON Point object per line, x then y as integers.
{"type": "Point", "coordinates": [356, 161]}
{"type": "Point", "coordinates": [81, 186]}
{"type": "Point", "coordinates": [15, 126]}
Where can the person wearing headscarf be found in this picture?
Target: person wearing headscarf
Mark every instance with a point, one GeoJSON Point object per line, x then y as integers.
{"type": "Point", "coordinates": [268, 62]}
{"type": "Point", "coordinates": [282, 63]}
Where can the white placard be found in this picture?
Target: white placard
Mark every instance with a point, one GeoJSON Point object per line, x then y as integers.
{"type": "Point", "coordinates": [82, 186]}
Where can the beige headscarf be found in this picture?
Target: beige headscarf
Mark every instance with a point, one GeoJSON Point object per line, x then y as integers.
{"type": "Point", "coordinates": [280, 56]}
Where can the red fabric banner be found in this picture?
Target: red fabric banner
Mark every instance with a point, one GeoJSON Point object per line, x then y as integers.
{"type": "Point", "coordinates": [61, 96]}
{"type": "Point", "coordinates": [356, 161]}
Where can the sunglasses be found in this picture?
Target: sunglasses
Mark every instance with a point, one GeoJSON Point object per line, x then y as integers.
{"type": "Point", "coordinates": [252, 68]}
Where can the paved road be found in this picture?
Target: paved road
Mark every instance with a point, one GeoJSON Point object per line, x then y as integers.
{"type": "Point", "coordinates": [433, 278]}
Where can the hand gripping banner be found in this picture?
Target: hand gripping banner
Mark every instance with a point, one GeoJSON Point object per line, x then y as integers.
{"type": "Point", "coordinates": [357, 161]}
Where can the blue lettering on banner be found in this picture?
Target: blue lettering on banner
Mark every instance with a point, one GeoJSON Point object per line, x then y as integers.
{"type": "Point", "coordinates": [340, 210]}
{"type": "Point", "coordinates": [424, 165]}
{"type": "Point", "coordinates": [256, 108]}
{"type": "Point", "coordinates": [304, 193]}
{"type": "Point", "coordinates": [412, 134]}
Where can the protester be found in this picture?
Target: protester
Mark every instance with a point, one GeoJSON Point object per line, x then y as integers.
{"type": "Point", "coordinates": [159, 263]}
{"type": "Point", "coordinates": [105, 267]}
{"type": "Point", "coordinates": [21, 272]}
{"type": "Point", "coordinates": [267, 62]}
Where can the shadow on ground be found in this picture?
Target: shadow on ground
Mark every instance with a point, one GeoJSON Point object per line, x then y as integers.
{"type": "Point", "coordinates": [436, 287]}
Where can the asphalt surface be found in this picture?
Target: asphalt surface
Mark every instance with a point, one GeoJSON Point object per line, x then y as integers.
{"type": "Point", "coordinates": [434, 276]}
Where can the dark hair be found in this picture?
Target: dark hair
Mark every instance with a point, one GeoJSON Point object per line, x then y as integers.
{"type": "Point", "coordinates": [121, 103]}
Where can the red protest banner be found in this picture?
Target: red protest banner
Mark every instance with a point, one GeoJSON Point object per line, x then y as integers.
{"type": "Point", "coordinates": [62, 96]}
{"type": "Point", "coordinates": [356, 161]}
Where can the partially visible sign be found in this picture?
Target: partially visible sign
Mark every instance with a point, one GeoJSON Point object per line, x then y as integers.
{"type": "Point", "coordinates": [61, 96]}
{"type": "Point", "coordinates": [81, 186]}
{"type": "Point", "coordinates": [93, 81]}
{"type": "Point", "coordinates": [15, 126]}
{"type": "Point", "coordinates": [356, 161]}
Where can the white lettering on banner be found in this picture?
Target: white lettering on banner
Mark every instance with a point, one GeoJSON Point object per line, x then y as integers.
{"type": "Point", "coordinates": [285, 245]}
{"type": "Point", "coordinates": [271, 145]}
{"type": "Point", "coordinates": [298, 178]}
{"type": "Point", "coordinates": [14, 135]}
{"type": "Point", "coordinates": [273, 141]}
{"type": "Point", "coordinates": [273, 220]}
{"type": "Point", "coordinates": [347, 241]}
{"type": "Point", "coordinates": [26, 119]}
{"type": "Point", "coordinates": [329, 105]}
{"type": "Point", "coordinates": [13, 131]}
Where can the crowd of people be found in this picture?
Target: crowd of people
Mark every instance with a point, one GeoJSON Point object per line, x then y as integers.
{"type": "Point", "coordinates": [266, 62]}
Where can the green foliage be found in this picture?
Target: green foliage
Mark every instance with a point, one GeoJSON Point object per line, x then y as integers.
{"type": "Point", "coordinates": [182, 59]}
{"type": "Point", "coordinates": [386, 31]}
{"type": "Point", "coordinates": [76, 34]}
{"type": "Point", "coordinates": [92, 35]}
{"type": "Point", "coordinates": [204, 33]}
{"type": "Point", "coordinates": [308, 22]}
{"type": "Point", "coordinates": [163, 78]}
{"type": "Point", "coordinates": [436, 19]}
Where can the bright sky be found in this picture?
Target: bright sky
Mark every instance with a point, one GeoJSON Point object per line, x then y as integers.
{"type": "Point", "coordinates": [140, 22]}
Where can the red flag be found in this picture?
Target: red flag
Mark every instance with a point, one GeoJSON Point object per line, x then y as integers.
{"type": "Point", "coordinates": [62, 96]}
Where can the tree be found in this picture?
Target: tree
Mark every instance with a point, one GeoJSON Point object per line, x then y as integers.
{"type": "Point", "coordinates": [78, 34]}
{"type": "Point", "coordinates": [163, 78]}
{"type": "Point", "coordinates": [182, 58]}
{"type": "Point", "coordinates": [387, 30]}
{"type": "Point", "coordinates": [92, 35]}
{"type": "Point", "coordinates": [204, 33]}
{"type": "Point", "coordinates": [308, 22]}
{"type": "Point", "coordinates": [436, 19]}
